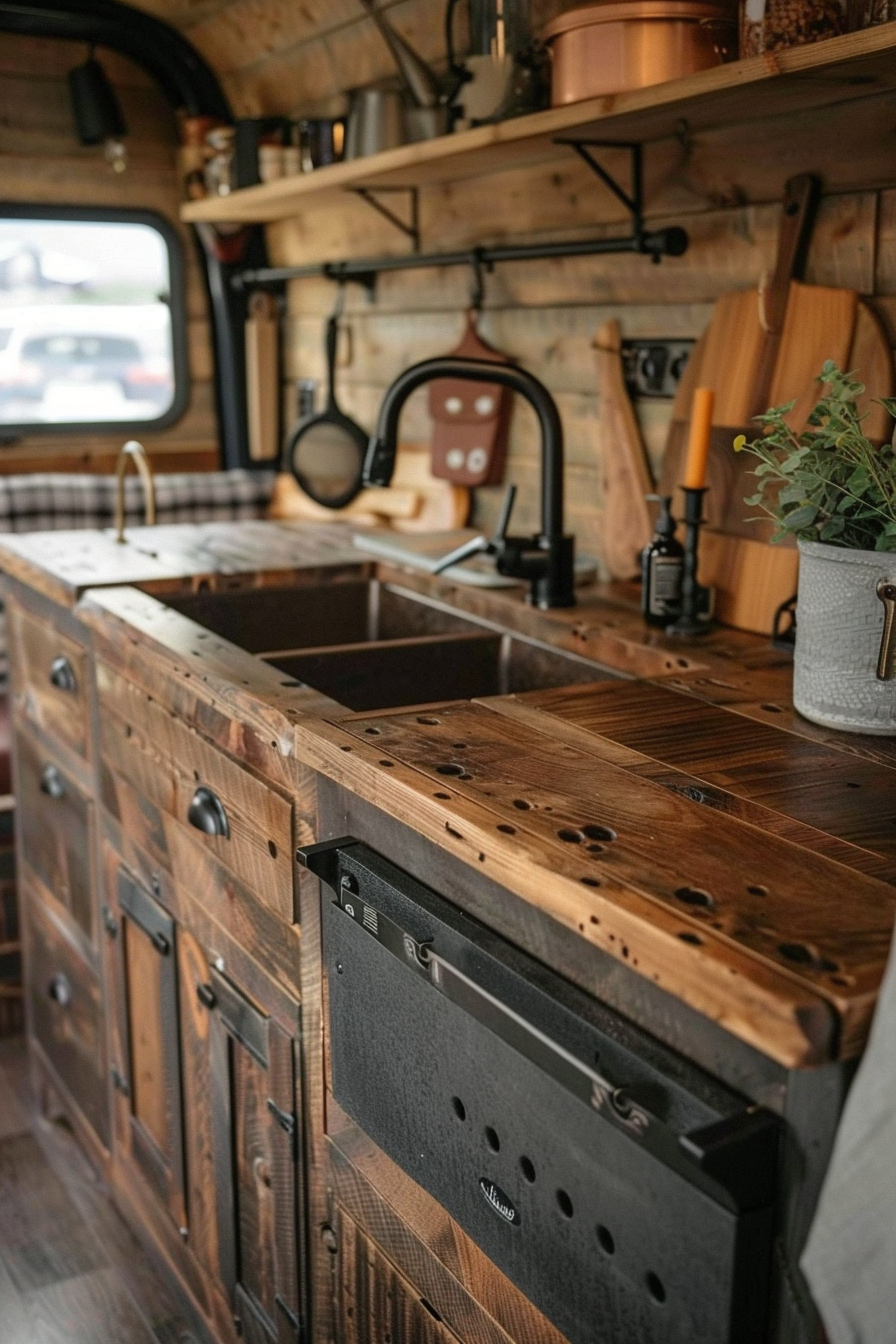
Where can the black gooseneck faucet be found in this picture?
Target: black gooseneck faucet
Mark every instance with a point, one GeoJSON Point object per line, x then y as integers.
{"type": "Point", "coordinates": [545, 560]}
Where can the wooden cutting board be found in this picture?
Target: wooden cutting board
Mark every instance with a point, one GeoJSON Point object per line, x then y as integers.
{"type": "Point", "coordinates": [763, 348]}
{"type": "Point", "coordinates": [414, 502]}
{"type": "Point", "coordinates": [626, 473]}
{"type": "Point", "coordinates": [821, 323]}
{"type": "Point", "coordinates": [752, 582]}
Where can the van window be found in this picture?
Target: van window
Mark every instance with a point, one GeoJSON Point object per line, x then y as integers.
{"type": "Point", "coordinates": [91, 320]}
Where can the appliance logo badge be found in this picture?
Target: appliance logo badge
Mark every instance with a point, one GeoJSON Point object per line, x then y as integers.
{"type": "Point", "coordinates": [499, 1201]}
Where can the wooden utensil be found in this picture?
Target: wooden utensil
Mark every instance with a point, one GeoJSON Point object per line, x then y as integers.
{"type": "Point", "coordinates": [627, 477]}
{"type": "Point", "coordinates": [798, 210]}
{"type": "Point", "coordinates": [262, 336]}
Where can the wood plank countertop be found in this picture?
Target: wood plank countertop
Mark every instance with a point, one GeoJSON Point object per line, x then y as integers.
{"type": "Point", "coordinates": [685, 820]}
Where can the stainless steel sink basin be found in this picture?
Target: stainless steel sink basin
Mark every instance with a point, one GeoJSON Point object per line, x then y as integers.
{"type": "Point", "coordinates": [371, 645]}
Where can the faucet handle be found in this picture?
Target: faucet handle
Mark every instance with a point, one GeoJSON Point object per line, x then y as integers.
{"type": "Point", "coordinates": [504, 516]}
{"type": "Point", "coordinates": [472, 547]}
{"type": "Point", "coordinates": [476, 545]}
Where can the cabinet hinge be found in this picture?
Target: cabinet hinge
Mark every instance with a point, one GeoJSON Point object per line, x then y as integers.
{"type": "Point", "coordinates": [119, 1082]}
{"type": "Point", "coordinates": [110, 923]}
{"type": "Point", "coordinates": [285, 1119]}
{"type": "Point", "coordinates": [291, 1316]}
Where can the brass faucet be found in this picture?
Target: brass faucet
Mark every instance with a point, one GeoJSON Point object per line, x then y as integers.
{"type": "Point", "coordinates": [134, 451]}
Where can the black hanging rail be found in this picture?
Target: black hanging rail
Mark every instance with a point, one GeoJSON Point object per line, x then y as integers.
{"type": "Point", "coordinates": [653, 243]}
{"type": "Point", "coordinates": [671, 242]}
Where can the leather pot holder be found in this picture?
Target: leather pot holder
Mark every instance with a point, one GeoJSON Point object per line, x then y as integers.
{"type": "Point", "coordinates": [470, 420]}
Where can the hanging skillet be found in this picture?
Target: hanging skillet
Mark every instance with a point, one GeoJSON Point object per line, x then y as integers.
{"type": "Point", "coordinates": [325, 452]}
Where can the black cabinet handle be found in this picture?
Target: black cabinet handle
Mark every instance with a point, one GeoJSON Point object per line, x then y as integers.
{"type": "Point", "coordinates": [60, 991]}
{"type": "Point", "coordinates": [160, 943]}
{"type": "Point", "coordinates": [206, 813]}
{"type": "Point", "coordinates": [62, 674]}
{"type": "Point", "coordinates": [207, 996]}
{"type": "Point", "coordinates": [51, 782]}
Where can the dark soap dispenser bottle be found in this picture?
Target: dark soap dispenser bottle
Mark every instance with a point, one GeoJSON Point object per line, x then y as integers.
{"type": "Point", "coordinates": [662, 561]}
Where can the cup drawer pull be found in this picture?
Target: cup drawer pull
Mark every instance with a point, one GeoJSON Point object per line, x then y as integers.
{"type": "Point", "coordinates": [51, 782]}
{"type": "Point", "coordinates": [60, 990]}
{"type": "Point", "coordinates": [62, 674]}
{"type": "Point", "coordinates": [206, 813]}
{"type": "Point", "coordinates": [207, 996]}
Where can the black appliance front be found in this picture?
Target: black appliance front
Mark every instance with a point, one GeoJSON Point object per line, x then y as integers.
{"type": "Point", "coordinates": [625, 1192]}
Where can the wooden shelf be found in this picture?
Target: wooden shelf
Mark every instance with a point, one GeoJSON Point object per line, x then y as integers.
{"type": "Point", "coordinates": [840, 70]}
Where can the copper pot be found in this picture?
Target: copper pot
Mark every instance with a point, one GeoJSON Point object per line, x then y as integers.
{"type": "Point", "coordinates": [617, 45]}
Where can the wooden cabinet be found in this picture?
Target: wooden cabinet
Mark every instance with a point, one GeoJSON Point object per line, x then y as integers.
{"type": "Point", "coordinates": [244, 1148]}
{"type": "Point", "coordinates": [200, 793]}
{"type": "Point", "coordinates": [51, 676]}
{"type": "Point", "coordinates": [56, 834]}
{"type": "Point", "coordinates": [373, 1302]}
{"type": "Point", "coordinates": [56, 863]}
{"type": "Point", "coordinates": [65, 1011]}
{"type": "Point", "coordinates": [146, 1071]}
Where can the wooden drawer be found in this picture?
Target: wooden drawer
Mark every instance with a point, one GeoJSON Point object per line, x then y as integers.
{"type": "Point", "coordinates": [50, 677]}
{"type": "Point", "coordinates": [55, 819]}
{"type": "Point", "coordinates": [66, 1013]}
{"type": "Point", "coordinates": [241, 820]}
{"type": "Point", "coordinates": [373, 1301]}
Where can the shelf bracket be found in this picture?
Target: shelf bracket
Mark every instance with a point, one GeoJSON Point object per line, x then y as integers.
{"type": "Point", "coordinates": [409, 227]}
{"type": "Point", "coordinates": [633, 199]}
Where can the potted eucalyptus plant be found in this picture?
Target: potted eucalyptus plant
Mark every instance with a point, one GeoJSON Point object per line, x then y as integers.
{"type": "Point", "coordinates": [834, 490]}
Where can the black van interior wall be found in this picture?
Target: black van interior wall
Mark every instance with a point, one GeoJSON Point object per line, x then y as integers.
{"type": "Point", "coordinates": [41, 161]}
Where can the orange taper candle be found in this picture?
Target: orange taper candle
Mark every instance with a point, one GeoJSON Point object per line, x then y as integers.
{"type": "Point", "coordinates": [698, 441]}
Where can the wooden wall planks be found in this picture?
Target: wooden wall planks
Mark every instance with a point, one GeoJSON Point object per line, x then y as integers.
{"type": "Point", "coordinates": [41, 161]}
{"type": "Point", "coordinates": [274, 57]}
{"type": "Point", "coordinates": [545, 315]}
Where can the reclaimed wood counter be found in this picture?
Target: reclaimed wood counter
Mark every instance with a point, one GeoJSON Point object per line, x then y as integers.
{"type": "Point", "coordinates": [688, 821]}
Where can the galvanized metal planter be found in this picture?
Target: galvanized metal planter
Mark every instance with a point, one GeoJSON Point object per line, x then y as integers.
{"type": "Point", "coordinates": [843, 670]}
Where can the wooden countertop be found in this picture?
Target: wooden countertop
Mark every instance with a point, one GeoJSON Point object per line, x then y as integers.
{"type": "Point", "coordinates": [687, 821]}
{"type": "Point", "coordinates": [63, 565]}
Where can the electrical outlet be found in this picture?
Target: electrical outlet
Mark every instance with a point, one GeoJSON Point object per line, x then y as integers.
{"type": "Point", "coordinates": [654, 368]}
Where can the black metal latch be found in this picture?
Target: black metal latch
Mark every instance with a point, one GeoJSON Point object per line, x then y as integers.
{"type": "Point", "coordinates": [287, 1122]}
{"type": "Point", "coordinates": [294, 1321]}
{"type": "Point", "coordinates": [119, 1082]}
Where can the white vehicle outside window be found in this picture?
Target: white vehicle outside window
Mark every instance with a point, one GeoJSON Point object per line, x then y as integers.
{"type": "Point", "coordinates": [91, 321]}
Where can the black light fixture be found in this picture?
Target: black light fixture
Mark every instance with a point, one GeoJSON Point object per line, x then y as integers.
{"type": "Point", "coordinates": [98, 116]}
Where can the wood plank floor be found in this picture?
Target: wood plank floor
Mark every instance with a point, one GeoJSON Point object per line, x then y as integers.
{"type": "Point", "coordinates": [70, 1270]}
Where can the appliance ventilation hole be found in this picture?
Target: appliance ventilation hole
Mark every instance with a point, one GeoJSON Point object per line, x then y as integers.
{"type": "Point", "coordinates": [564, 1203]}
{"type": "Point", "coordinates": [655, 1286]}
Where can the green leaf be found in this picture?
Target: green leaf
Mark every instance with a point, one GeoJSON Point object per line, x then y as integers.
{"type": "Point", "coordinates": [802, 517]}
{"type": "Point", "coordinates": [827, 482]}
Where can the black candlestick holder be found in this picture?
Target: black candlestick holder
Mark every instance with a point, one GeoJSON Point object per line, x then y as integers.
{"type": "Point", "coordinates": [694, 619]}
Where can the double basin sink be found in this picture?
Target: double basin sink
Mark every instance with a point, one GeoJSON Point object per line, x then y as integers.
{"type": "Point", "coordinates": [371, 645]}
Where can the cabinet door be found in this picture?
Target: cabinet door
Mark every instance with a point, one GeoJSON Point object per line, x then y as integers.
{"type": "Point", "coordinates": [256, 1142]}
{"type": "Point", "coordinates": [149, 1077]}
{"type": "Point", "coordinates": [55, 824]}
{"type": "Point", "coordinates": [66, 1012]}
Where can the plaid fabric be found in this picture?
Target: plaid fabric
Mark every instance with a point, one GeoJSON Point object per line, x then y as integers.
{"type": "Point", "coordinates": [55, 502]}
